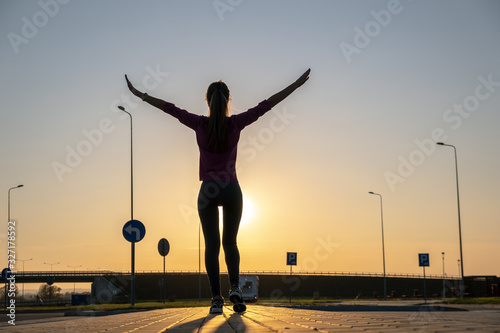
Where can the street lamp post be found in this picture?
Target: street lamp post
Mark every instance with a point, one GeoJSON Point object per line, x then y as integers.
{"type": "Point", "coordinates": [383, 245]}
{"type": "Point", "coordinates": [74, 270]}
{"type": "Point", "coordinates": [51, 264]}
{"type": "Point", "coordinates": [8, 216]}
{"type": "Point", "coordinates": [462, 282]}
{"type": "Point", "coordinates": [132, 275]}
{"type": "Point", "coordinates": [8, 220]}
{"type": "Point", "coordinates": [444, 287]}
{"type": "Point", "coordinates": [49, 283]}
{"type": "Point", "coordinates": [12, 188]}
{"type": "Point", "coordinates": [131, 165]}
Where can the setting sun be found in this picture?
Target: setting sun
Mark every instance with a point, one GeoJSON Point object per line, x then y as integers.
{"type": "Point", "coordinates": [248, 212]}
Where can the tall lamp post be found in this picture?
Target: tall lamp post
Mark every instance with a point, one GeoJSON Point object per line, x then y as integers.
{"type": "Point", "coordinates": [12, 188]}
{"type": "Point", "coordinates": [383, 245]}
{"type": "Point", "coordinates": [444, 288]}
{"type": "Point", "coordinates": [8, 216]}
{"type": "Point", "coordinates": [462, 282]}
{"type": "Point", "coordinates": [132, 275]}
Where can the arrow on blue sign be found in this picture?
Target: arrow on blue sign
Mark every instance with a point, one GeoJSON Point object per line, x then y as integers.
{"type": "Point", "coordinates": [130, 229]}
{"type": "Point", "coordinates": [134, 231]}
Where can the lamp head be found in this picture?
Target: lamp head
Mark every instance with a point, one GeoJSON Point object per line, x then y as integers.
{"type": "Point", "coordinates": [440, 143]}
{"type": "Point", "coordinates": [121, 108]}
{"type": "Point", "coordinates": [20, 185]}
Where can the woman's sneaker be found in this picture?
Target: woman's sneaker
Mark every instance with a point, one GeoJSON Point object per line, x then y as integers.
{"type": "Point", "coordinates": [217, 304]}
{"type": "Point", "coordinates": [236, 297]}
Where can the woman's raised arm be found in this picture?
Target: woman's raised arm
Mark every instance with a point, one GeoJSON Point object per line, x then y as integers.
{"type": "Point", "coordinates": [279, 96]}
{"type": "Point", "coordinates": [156, 102]}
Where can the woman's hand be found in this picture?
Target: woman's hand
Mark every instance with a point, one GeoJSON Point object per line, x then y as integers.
{"type": "Point", "coordinates": [303, 78]}
{"type": "Point", "coordinates": [279, 96]}
{"type": "Point", "coordinates": [132, 88]}
{"type": "Point", "coordinates": [156, 102]}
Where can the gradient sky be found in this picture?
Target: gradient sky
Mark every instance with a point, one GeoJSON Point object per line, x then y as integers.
{"type": "Point", "coordinates": [388, 80]}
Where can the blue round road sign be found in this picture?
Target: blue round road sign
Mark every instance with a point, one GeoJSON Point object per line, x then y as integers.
{"type": "Point", "coordinates": [6, 273]}
{"type": "Point", "coordinates": [134, 231]}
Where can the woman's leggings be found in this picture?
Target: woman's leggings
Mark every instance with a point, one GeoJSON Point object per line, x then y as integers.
{"type": "Point", "coordinates": [228, 195]}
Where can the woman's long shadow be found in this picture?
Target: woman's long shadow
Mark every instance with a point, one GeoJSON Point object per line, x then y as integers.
{"type": "Point", "coordinates": [233, 320]}
{"type": "Point", "coordinates": [189, 326]}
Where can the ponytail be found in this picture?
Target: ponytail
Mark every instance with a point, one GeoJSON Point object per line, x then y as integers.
{"type": "Point", "coordinates": [218, 101]}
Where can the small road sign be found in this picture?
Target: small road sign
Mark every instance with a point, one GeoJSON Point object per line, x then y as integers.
{"type": "Point", "coordinates": [423, 259]}
{"type": "Point", "coordinates": [134, 231]}
{"type": "Point", "coordinates": [291, 258]}
{"type": "Point", "coordinates": [163, 247]}
{"type": "Point", "coordinates": [6, 273]}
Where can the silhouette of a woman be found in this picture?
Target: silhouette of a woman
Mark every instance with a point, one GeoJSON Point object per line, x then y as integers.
{"type": "Point", "coordinates": [217, 136]}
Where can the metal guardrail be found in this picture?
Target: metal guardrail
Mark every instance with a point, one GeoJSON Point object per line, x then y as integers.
{"type": "Point", "coordinates": [64, 273]}
{"type": "Point", "coordinates": [101, 273]}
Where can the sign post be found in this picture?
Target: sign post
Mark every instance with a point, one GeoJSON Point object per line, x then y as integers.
{"type": "Point", "coordinates": [133, 231]}
{"type": "Point", "coordinates": [291, 260]}
{"type": "Point", "coordinates": [6, 272]}
{"type": "Point", "coordinates": [163, 249]}
{"type": "Point", "coordinates": [423, 261]}
{"type": "Point", "coordinates": [50, 282]}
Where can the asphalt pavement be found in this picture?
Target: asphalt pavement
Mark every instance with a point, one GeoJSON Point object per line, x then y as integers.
{"type": "Point", "coordinates": [337, 317]}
